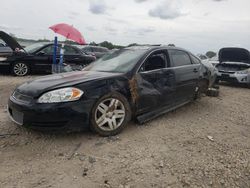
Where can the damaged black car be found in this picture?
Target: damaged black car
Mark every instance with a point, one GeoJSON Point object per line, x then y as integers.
{"type": "Point", "coordinates": [38, 57]}
{"type": "Point", "coordinates": [137, 83]}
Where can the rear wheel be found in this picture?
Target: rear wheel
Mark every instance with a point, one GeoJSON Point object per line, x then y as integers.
{"type": "Point", "coordinates": [110, 115]}
{"type": "Point", "coordinates": [20, 69]}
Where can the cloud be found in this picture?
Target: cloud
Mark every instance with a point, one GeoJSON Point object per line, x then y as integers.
{"type": "Point", "coordinates": [219, 0]}
{"type": "Point", "coordinates": [110, 30]}
{"type": "Point", "coordinates": [140, 31]}
{"type": "Point", "coordinates": [73, 15]}
{"type": "Point", "coordinates": [168, 9]}
{"type": "Point", "coordinates": [8, 27]}
{"type": "Point", "coordinates": [98, 6]}
{"type": "Point", "coordinates": [90, 28]}
{"type": "Point", "coordinates": [118, 21]}
{"type": "Point", "coordinates": [140, 1]}
{"type": "Point", "coordinates": [144, 31]}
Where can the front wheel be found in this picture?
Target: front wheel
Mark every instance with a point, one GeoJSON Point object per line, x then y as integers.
{"type": "Point", "coordinates": [20, 69]}
{"type": "Point", "coordinates": [110, 114]}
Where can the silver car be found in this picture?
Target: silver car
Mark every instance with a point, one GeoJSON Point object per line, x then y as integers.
{"type": "Point", "coordinates": [234, 65]}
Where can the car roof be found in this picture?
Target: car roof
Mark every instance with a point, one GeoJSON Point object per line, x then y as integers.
{"type": "Point", "coordinates": [87, 46]}
{"type": "Point", "coordinates": [154, 47]}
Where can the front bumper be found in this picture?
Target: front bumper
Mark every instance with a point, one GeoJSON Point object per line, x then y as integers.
{"type": "Point", "coordinates": [71, 116]}
{"type": "Point", "coordinates": [234, 77]}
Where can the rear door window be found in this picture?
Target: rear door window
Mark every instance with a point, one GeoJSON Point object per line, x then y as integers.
{"type": "Point", "coordinates": [179, 58]}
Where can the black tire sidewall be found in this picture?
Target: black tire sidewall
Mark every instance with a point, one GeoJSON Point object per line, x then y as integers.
{"type": "Point", "coordinates": [13, 72]}
{"type": "Point", "coordinates": [94, 127]}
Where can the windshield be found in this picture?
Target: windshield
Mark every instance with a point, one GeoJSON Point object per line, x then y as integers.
{"type": "Point", "coordinates": [119, 61]}
{"type": "Point", "coordinates": [34, 47]}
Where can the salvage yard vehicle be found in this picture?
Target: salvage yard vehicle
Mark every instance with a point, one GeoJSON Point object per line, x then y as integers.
{"type": "Point", "coordinates": [140, 82]}
{"type": "Point", "coordinates": [38, 57]}
{"type": "Point", "coordinates": [234, 65]}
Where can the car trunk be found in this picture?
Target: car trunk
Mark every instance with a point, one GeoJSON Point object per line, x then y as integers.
{"type": "Point", "coordinates": [233, 60]}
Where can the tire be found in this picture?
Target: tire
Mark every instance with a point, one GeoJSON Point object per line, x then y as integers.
{"type": "Point", "coordinates": [104, 121]}
{"type": "Point", "coordinates": [213, 92]}
{"type": "Point", "coordinates": [201, 88]}
{"type": "Point", "coordinates": [197, 94]}
{"type": "Point", "coordinates": [20, 69]}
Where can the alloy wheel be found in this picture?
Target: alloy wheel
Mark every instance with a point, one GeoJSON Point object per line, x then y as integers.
{"type": "Point", "coordinates": [110, 114]}
{"type": "Point", "coordinates": [20, 69]}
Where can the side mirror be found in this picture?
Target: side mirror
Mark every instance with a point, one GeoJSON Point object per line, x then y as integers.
{"type": "Point", "coordinates": [41, 53]}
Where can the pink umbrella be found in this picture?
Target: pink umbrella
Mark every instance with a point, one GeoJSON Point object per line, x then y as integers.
{"type": "Point", "coordinates": [69, 32]}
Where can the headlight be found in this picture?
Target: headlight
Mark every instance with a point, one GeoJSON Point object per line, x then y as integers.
{"type": "Point", "coordinates": [247, 71]}
{"type": "Point", "coordinates": [61, 95]}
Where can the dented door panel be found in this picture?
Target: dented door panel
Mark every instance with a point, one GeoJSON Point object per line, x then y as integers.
{"type": "Point", "coordinates": [156, 89]}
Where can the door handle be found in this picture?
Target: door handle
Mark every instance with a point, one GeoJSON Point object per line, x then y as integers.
{"type": "Point", "coordinates": [195, 70]}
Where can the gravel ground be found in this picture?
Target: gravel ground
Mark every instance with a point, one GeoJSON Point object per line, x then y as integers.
{"type": "Point", "coordinates": [203, 144]}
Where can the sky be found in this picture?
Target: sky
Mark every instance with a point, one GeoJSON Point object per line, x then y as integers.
{"type": "Point", "coordinates": [196, 25]}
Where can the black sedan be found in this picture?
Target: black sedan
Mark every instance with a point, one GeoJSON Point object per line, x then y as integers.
{"type": "Point", "coordinates": [135, 82]}
{"type": "Point", "coordinates": [38, 57]}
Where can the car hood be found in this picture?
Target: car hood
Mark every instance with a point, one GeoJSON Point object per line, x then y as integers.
{"type": "Point", "coordinates": [10, 41]}
{"type": "Point", "coordinates": [232, 66]}
{"type": "Point", "coordinates": [43, 84]}
{"type": "Point", "coordinates": [234, 55]}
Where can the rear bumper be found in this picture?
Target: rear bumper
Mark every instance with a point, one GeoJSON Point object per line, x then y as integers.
{"type": "Point", "coordinates": [72, 116]}
{"type": "Point", "coordinates": [235, 78]}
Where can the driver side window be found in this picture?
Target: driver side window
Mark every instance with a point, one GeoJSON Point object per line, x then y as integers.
{"type": "Point", "coordinates": [48, 50]}
{"type": "Point", "coordinates": [155, 61]}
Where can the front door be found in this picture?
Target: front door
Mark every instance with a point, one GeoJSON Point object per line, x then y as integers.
{"type": "Point", "coordinates": [43, 59]}
{"type": "Point", "coordinates": [155, 83]}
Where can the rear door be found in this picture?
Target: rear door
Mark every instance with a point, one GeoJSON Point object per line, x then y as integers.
{"type": "Point", "coordinates": [186, 75]}
{"type": "Point", "coordinates": [155, 86]}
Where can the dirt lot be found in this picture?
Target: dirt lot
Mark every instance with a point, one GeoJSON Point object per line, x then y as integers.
{"type": "Point", "coordinates": [203, 144]}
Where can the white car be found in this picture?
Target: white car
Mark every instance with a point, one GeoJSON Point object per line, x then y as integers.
{"type": "Point", "coordinates": [234, 65]}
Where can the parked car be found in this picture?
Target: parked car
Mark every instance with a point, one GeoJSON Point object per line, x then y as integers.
{"type": "Point", "coordinates": [202, 57]}
{"type": "Point", "coordinates": [138, 82]}
{"type": "Point", "coordinates": [234, 65]}
{"type": "Point", "coordinates": [38, 57]}
{"type": "Point", "coordinates": [214, 60]}
{"type": "Point", "coordinates": [98, 51]}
